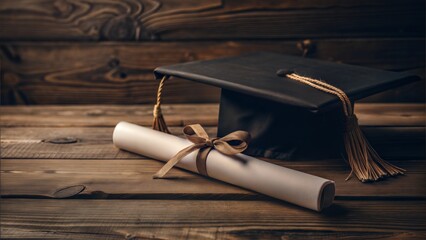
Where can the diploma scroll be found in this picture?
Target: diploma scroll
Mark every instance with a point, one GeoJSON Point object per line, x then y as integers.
{"type": "Point", "coordinates": [241, 170]}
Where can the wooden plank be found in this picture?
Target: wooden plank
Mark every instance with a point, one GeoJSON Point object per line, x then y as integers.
{"type": "Point", "coordinates": [106, 115]}
{"type": "Point", "coordinates": [87, 143]}
{"type": "Point", "coordinates": [121, 73]}
{"type": "Point", "coordinates": [228, 19]}
{"type": "Point", "coordinates": [184, 219]}
{"type": "Point", "coordinates": [395, 115]}
{"type": "Point", "coordinates": [398, 131]}
{"type": "Point", "coordinates": [96, 143]}
{"type": "Point", "coordinates": [131, 179]}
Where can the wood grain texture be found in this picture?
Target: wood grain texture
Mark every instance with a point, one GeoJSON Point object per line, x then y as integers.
{"type": "Point", "coordinates": [91, 143]}
{"type": "Point", "coordinates": [109, 115]}
{"type": "Point", "coordinates": [121, 73]}
{"type": "Point", "coordinates": [96, 143]}
{"type": "Point", "coordinates": [70, 155]}
{"type": "Point", "coordinates": [124, 179]}
{"type": "Point", "coordinates": [186, 219]}
{"type": "Point", "coordinates": [227, 19]}
{"type": "Point", "coordinates": [369, 114]}
{"type": "Point", "coordinates": [398, 132]}
{"type": "Point", "coordinates": [395, 130]}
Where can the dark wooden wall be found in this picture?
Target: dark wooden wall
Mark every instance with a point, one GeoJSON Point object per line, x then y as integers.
{"type": "Point", "coordinates": [104, 51]}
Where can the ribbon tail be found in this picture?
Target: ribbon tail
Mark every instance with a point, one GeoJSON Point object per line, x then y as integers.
{"type": "Point", "coordinates": [174, 160]}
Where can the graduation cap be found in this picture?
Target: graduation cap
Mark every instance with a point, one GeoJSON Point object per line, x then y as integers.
{"type": "Point", "coordinates": [293, 107]}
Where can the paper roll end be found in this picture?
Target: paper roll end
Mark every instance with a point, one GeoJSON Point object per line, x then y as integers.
{"type": "Point", "coordinates": [116, 130]}
{"type": "Point", "coordinates": [327, 196]}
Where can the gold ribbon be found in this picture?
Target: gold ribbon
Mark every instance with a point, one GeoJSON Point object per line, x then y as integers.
{"type": "Point", "coordinates": [231, 144]}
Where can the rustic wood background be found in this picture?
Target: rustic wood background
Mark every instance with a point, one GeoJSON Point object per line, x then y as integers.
{"type": "Point", "coordinates": [104, 51]}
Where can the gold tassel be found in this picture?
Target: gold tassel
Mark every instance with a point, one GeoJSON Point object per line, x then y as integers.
{"type": "Point", "coordinates": [364, 161]}
{"type": "Point", "coordinates": [366, 164]}
{"type": "Point", "coordinates": [159, 123]}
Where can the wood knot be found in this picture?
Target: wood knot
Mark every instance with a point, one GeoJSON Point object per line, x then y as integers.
{"type": "Point", "coordinates": [70, 191]}
{"type": "Point", "coordinates": [94, 113]}
{"type": "Point", "coordinates": [62, 8]}
{"type": "Point", "coordinates": [119, 28]}
{"type": "Point", "coordinates": [10, 80]}
{"type": "Point", "coordinates": [62, 140]}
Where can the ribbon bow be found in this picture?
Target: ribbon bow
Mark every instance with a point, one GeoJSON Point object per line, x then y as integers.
{"type": "Point", "coordinates": [231, 144]}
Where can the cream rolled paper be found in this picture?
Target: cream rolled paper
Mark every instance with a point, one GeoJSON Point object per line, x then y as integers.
{"type": "Point", "coordinates": [296, 187]}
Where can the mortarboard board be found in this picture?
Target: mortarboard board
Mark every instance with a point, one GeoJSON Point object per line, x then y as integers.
{"type": "Point", "coordinates": [293, 107]}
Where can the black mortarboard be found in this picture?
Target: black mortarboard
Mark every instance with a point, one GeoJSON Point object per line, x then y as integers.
{"type": "Point", "coordinates": [293, 107]}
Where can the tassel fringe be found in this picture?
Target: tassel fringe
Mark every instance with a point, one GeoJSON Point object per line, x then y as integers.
{"type": "Point", "coordinates": [366, 164]}
{"type": "Point", "coordinates": [159, 123]}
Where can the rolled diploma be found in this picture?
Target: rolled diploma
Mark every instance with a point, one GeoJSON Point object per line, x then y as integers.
{"type": "Point", "coordinates": [241, 170]}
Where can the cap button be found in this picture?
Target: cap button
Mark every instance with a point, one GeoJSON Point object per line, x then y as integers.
{"type": "Point", "coordinates": [284, 72]}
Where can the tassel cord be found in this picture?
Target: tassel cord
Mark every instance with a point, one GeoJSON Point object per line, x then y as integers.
{"type": "Point", "coordinates": [159, 123]}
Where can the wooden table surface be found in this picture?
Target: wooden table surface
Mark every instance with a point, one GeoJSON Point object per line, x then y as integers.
{"type": "Point", "coordinates": [62, 178]}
